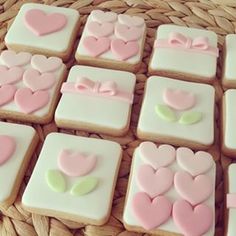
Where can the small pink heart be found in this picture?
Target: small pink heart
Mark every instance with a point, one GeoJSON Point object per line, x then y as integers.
{"type": "Point", "coordinates": [11, 59]}
{"type": "Point", "coordinates": [29, 102]}
{"type": "Point", "coordinates": [131, 20]}
{"type": "Point", "coordinates": [195, 190]}
{"type": "Point", "coordinates": [7, 148]}
{"type": "Point", "coordinates": [151, 213]}
{"type": "Point", "coordinates": [153, 182]}
{"type": "Point", "coordinates": [162, 156]}
{"type": "Point", "coordinates": [10, 76]}
{"type": "Point", "coordinates": [192, 221]}
{"type": "Point", "coordinates": [41, 23]}
{"type": "Point", "coordinates": [102, 17]}
{"type": "Point", "coordinates": [96, 47]}
{"type": "Point", "coordinates": [123, 50]}
{"type": "Point", "coordinates": [44, 64]}
{"type": "Point", "coordinates": [195, 164]}
{"type": "Point", "coordinates": [7, 93]}
{"type": "Point", "coordinates": [75, 163]}
{"type": "Point", "coordinates": [36, 81]}
{"type": "Point", "coordinates": [100, 30]}
{"type": "Point", "coordinates": [179, 99]}
{"type": "Point", "coordinates": [127, 33]}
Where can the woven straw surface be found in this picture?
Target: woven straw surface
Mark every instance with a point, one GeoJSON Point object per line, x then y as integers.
{"type": "Point", "coordinates": [194, 13]}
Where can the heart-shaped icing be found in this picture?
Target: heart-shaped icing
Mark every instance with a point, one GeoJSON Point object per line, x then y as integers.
{"type": "Point", "coordinates": [102, 17]}
{"type": "Point", "coordinates": [194, 190]}
{"type": "Point", "coordinates": [7, 148]}
{"type": "Point", "coordinates": [179, 99]}
{"type": "Point", "coordinates": [44, 64]}
{"type": "Point", "coordinates": [123, 50]}
{"type": "Point", "coordinates": [36, 81]}
{"type": "Point", "coordinates": [41, 23]}
{"type": "Point", "coordinates": [100, 30]}
{"type": "Point", "coordinates": [153, 182]}
{"type": "Point", "coordinates": [10, 76]}
{"type": "Point", "coordinates": [162, 156]}
{"type": "Point", "coordinates": [127, 33]}
{"type": "Point", "coordinates": [96, 47]}
{"type": "Point", "coordinates": [192, 221]}
{"type": "Point", "coordinates": [195, 164]}
{"type": "Point", "coordinates": [151, 213]}
{"type": "Point", "coordinates": [7, 93]}
{"type": "Point", "coordinates": [130, 20]}
{"type": "Point", "coordinates": [12, 59]}
{"type": "Point", "coordinates": [76, 163]}
{"type": "Point", "coordinates": [29, 102]}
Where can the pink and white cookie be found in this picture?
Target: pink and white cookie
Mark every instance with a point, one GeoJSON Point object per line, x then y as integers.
{"type": "Point", "coordinates": [76, 170]}
{"type": "Point", "coordinates": [17, 145]}
{"type": "Point", "coordinates": [171, 190]}
{"type": "Point", "coordinates": [44, 29]}
{"type": "Point", "coordinates": [184, 53]}
{"type": "Point", "coordinates": [177, 112]}
{"type": "Point", "coordinates": [112, 40]}
{"type": "Point", "coordinates": [29, 86]}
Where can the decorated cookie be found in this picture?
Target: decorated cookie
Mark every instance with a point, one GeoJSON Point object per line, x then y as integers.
{"type": "Point", "coordinates": [75, 170]}
{"type": "Point", "coordinates": [17, 144]}
{"type": "Point", "coordinates": [44, 29]}
{"type": "Point", "coordinates": [29, 86]}
{"type": "Point", "coordinates": [184, 53]}
{"type": "Point", "coordinates": [171, 191]}
{"type": "Point", "coordinates": [179, 112]}
{"type": "Point", "coordinates": [112, 40]}
{"type": "Point", "coordinates": [95, 99]}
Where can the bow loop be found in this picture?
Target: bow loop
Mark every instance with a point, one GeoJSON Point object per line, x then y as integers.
{"type": "Point", "coordinates": [201, 43]}
{"type": "Point", "coordinates": [83, 83]}
{"type": "Point", "coordinates": [179, 39]}
{"type": "Point", "coordinates": [109, 88]}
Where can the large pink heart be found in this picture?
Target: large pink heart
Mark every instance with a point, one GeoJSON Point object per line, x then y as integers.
{"type": "Point", "coordinates": [192, 221]}
{"type": "Point", "coordinates": [195, 190]}
{"type": "Point", "coordinates": [7, 148]}
{"type": "Point", "coordinates": [10, 76]}
{"type": "Point", "coordinates": [29, 102]}
{"type": "Point", "coordinates": [7, 93]}
{"type": "Point", "coordinates": [102, 17]}
{"type": "Point", "coordinates": [96, 47]}
{"type": "Point", "coordinates": [162, 156]}
{"type": "Point", "coordinates": [127, 33]}
{"type": "Point", "coordinates": [100, 30]}
{"type": "Point", "coordinates": [36, 81]}
{"type": "Point", "coordinates": [76, 163]}
{"type": "Point", "coordinates": [130, 20]}
{"type": "Point", "coordinates": [153, 182]}
{"type": "Point", "coordinates": [41, 23]}
{"type": "Point", "coordinates": [151, 214]}
{"type": "Point", "coordinates": [195, 164]}
{"type": "Point", "coordinates": [11, 59]}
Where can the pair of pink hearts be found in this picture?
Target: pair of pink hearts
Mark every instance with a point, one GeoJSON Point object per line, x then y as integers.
{"type": "Point", "coordinates": [7, 148]}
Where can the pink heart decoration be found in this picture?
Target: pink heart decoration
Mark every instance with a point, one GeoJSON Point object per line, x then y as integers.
{"type": "Point", "coordinates": [123, 50]}
{"type": "Point", "coordinates": [153, 182]}
{"type": "Point", "coordinates": [192, 221]}
{"type": "Point", "coordinates": [41, 23]}
{"type": "Point", "coordinates": [10, 76]}
{"type": "Point", "coordinates": [100, 30]}
{"type": "Point", "coordinates": [102, 17]}
{"type": "Point", "coordinates": [29, 102]}
{"type": "Point", "coordinates": [194, 190]}
{"type": "Point", "coordinates": [75, 163]}
{"type": "Point", "coordinates": [151, 214]}
{"type": "Point", "coordinates": [96, 47]}
{"type": "Point", "coordinates": [11, 59]}
{"type": "Point", "coordinates": [179, 99]}
{"type": "Point", "coordinates": [7, 93]}
{"type": "Point", "coordinates": [44, 64]}
{"type": "Point", "coordinates": [195, 164]}
{"type": "Point", "coordinates": [130, 20]}
{"type": "Point", "coordinates": [36, 81]}
{"type": "Point", "coordinates": [7, 148]}
{"type": "Point", "coordinates": [162, 156]}
{"type": "Point", "coordinates": [127, 33]}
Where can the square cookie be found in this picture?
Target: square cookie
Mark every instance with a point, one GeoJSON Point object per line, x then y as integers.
{"type": "Point", "coordinates": [177, 112]}
{"type": "Point", "coordinates": [77, 178]}
{"type": "Point", "coordinates": [17, 144]}
{"type": "Point", "coordinates": [112, 40]}
{"type": "Point", "coordinates": [44, 29]}
{"type": "Point", "coordinates": [171, 191]}
{"type": "Point", "coordinates": [96, 100]}
{"type": "Point", "coordinates": [29, 86]}
{"type": "Point", "coordinates": [184, 53]}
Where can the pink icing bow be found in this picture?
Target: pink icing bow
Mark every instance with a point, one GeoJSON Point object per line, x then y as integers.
{"type": "Point", "coordinates": [180, 41]}
{"type": "Point", "coordinates": [231, 200]}
{"type": "Point", "coordinates": [102, 89]}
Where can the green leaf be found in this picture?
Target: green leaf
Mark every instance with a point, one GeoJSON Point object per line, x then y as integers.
{"type": "Point", "coordinates": [55, 181]}
{"type": "Point", "coordinates": [165, 113]}
{"type": "Point", "coordinates": [189, 118]}
{"type": "Point", "coordinates": [87, 185]}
